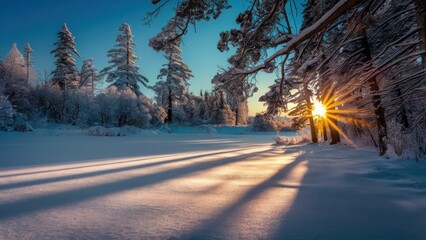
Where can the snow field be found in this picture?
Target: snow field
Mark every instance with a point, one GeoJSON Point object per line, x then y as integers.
{"type": "Point", "coordinates": [203, 186]}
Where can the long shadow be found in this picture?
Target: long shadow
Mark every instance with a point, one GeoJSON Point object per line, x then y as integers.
{"type": "Point", "coordinates": [89, 153]}
{"type": "Point", "coordinates": [73, 168]}
{"type": "Point", "coordinates": [103, 172]}
{"type": "Point", "coordinates": [86, 166]}
{"type": "Point", "coordinates": [54, 200]}
{"type": "Point", "coordinates": [212, 227]}
{"type": "Point", "coordinates": [336, 207]}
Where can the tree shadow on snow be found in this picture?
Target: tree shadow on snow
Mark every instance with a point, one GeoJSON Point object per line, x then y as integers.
{"type": "Point", "coordinates": [39, 203]}
{"type": "Point", "coordinates": [101, 172]}
{"type": "Point", "coordinates": [329, 205]}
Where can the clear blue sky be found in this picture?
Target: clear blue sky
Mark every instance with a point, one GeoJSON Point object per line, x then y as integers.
{"type": "Point", "coordinates": [95, 26]}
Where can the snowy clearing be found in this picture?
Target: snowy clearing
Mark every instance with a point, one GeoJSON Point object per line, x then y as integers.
{"type": "Point", "coordinates": [203, 186]}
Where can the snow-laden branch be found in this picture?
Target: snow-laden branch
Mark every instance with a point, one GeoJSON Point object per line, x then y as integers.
{"type": "Point", "coordinates": [340, 8]}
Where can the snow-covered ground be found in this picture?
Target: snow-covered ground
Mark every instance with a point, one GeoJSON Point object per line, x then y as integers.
{"type": "Point", "coordinates": [65, 185]}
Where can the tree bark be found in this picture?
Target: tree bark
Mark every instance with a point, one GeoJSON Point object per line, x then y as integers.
{"type": "Point", "coordinates": [170, 106]}
{"type": "Point", "coordinates": [324, 130]}
{"type": "Point", "coordinates": [404, 116]}
{"type": "Point", "coordinates": [314, 135]}
{"type": "Point", "coordinates": [335, 136]}
{"type": "Point", "coordinates": [379, 110]}
{"type": "Point", "coordinates": [236, 115]}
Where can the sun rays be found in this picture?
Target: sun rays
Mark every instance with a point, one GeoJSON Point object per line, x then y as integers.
{"type": "Point", "coordinates": [318, 109]}
{"type": "Point", "coordinates": [335, 107]}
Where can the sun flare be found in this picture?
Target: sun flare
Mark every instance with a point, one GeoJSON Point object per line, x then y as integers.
{"type": "Point", "coordinates": [318, 109]}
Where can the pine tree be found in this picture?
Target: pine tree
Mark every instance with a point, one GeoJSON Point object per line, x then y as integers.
{"type": "Point", "coordinates": [88, 76]}
{"type": "Point", "coordinates": [65, 75]}
{"type": "Point", "coordinates": [14, 65]}
{"type": "Point", "coordinates": [161, 93]}
{"type": "Point", "coordinates": [123, 72]}
{"type": "Point", "coordinates": [276, 98]}
{"type": "Point", "coordinates": [175, 73]}
{"type": "Point", "coordinates": [28, 65]}
{"type": "Point", "coordinates": [14, 82]}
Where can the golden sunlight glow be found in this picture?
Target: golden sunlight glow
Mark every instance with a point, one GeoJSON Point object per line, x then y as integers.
{"type": "Point", "coordinates": [318, 110]}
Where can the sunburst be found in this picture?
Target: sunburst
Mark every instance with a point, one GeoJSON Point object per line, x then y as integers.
{"type": "Point", "coordinates": [328, 112]}
{"type": "Point", "coordinates": [319, 110]}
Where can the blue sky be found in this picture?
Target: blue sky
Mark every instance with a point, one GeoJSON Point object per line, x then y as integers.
{"type": "Point", "coordinates": [95, 26]}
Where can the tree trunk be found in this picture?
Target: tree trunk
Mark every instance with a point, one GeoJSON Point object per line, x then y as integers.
{"type": "Point", "coordinates": [222, 101]}
{"type": "Point", "coordinates": [404, 117]}
{"type": "Point", "coordinates": [324, 130]}
{"type": "Point", "coordinates": [335, 136]}
{"type": "Point", "coordinates": [169, 108]}
{"type": "Point", "coordinates": [236, 115]}
{"type": "Point", "coordinates": [421, 19]}
{"type": "Point", "coordinates": [379, 110]}
{"type": "Point", "coordinates": [307, 96]}
{"type": "Point", "coordinates": [314, 135]}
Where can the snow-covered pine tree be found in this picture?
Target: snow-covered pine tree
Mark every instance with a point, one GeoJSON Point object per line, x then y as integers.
{"type": "Point", "coordinates": [161, 93]}
{"type": "Point", "coordinates": [88, 77]}
{"type": "Point", "coordinates": [28, 64]}
{"type": "Point", "coordinates": [14, 64]}
{"type": "Point", "coordinates": [122, 71]}
{"type": "Point", "coordinates": [276, 98]}
{"type": "Point", "coordinates": [237, 91]}
{"type": "Point", "coordinates": [14, 82]}
{"type": "Point", "coordinates": [175, 73]}
{"type": "Point", "coordinates": [65, 74]}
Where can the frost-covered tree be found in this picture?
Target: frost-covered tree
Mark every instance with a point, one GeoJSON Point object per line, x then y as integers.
{"type": "Point", "coordinates": [15, 65]}
{"type": "Point", "coordinates": [123, 73]}
{"type": "Point", "coordinates": [176, 73]}
{"type": "Point", "coordinates": [88, 77]}
{"type": "Point", "coordinates": [276, 98]}
{"type": "Point", "coordinates": [14, 75]}
{"type": "Point", "coordinates": [29, 66]}
{"type": "Point", "coordinates": [237, 91]}
{"type": "Point", "coordinates": [6, 112]}
{"type": "Point", "coordinates": [65, 74]}
{"type": "Point", "coordinates": [188, 12]}
{"type": "Point", "coordinates": [161, 93]}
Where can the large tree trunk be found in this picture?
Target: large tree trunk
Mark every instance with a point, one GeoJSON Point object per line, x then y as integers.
{"type": "Point", "coordinates": [314, 135]}
{"type": "Point", "coordinates": [404, 116]}
{"type": "Point", "coordinates": [170, 105]}
{"type": "Point", "coordinates": [421, 19]}
{"type": "Point", "coordinates": [307, 96]}
{"type": "Point", "coordinates": [236, 115]}
{"type": "Point", "coordinates": [379, 110]}
{"type": "Point", "coordinates": [334, 134]}
{"type": "Point", "coordinates": [324, 130]}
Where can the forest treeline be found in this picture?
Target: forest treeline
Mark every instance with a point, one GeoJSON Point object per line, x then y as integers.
{"type": "Point", "coordinates": [111, 97]}
{"type": "Point", "coordinates": [363, 60]}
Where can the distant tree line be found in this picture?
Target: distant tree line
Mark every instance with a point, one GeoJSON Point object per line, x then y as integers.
{"type": "Point", "coordinates": [70, 96]}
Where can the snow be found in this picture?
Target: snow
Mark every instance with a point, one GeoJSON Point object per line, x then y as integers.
{"type": "Point", "coordinates": [63, 184]}
{"type": "Point", "coordinates": [15, 64]}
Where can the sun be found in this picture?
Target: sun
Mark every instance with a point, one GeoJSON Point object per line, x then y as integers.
{"type": "Point", "coordinates": [318, 110]}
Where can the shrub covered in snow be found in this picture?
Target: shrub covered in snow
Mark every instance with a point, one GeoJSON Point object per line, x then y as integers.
{"type": "Point", "coordinates": [409, 144]}
{"type": "Point", "coordinates": [112, 108]}
{"type": "Point", "coordinates": [112, 132]}
{"type": "Point", "coordinates": [268, 123]}
{"type": "Point", "coordinates": [302, 137]}
{"type": "Point", "coordinates": [264, 123]}
{"type": "Point", "coordinates": [6, 113]}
